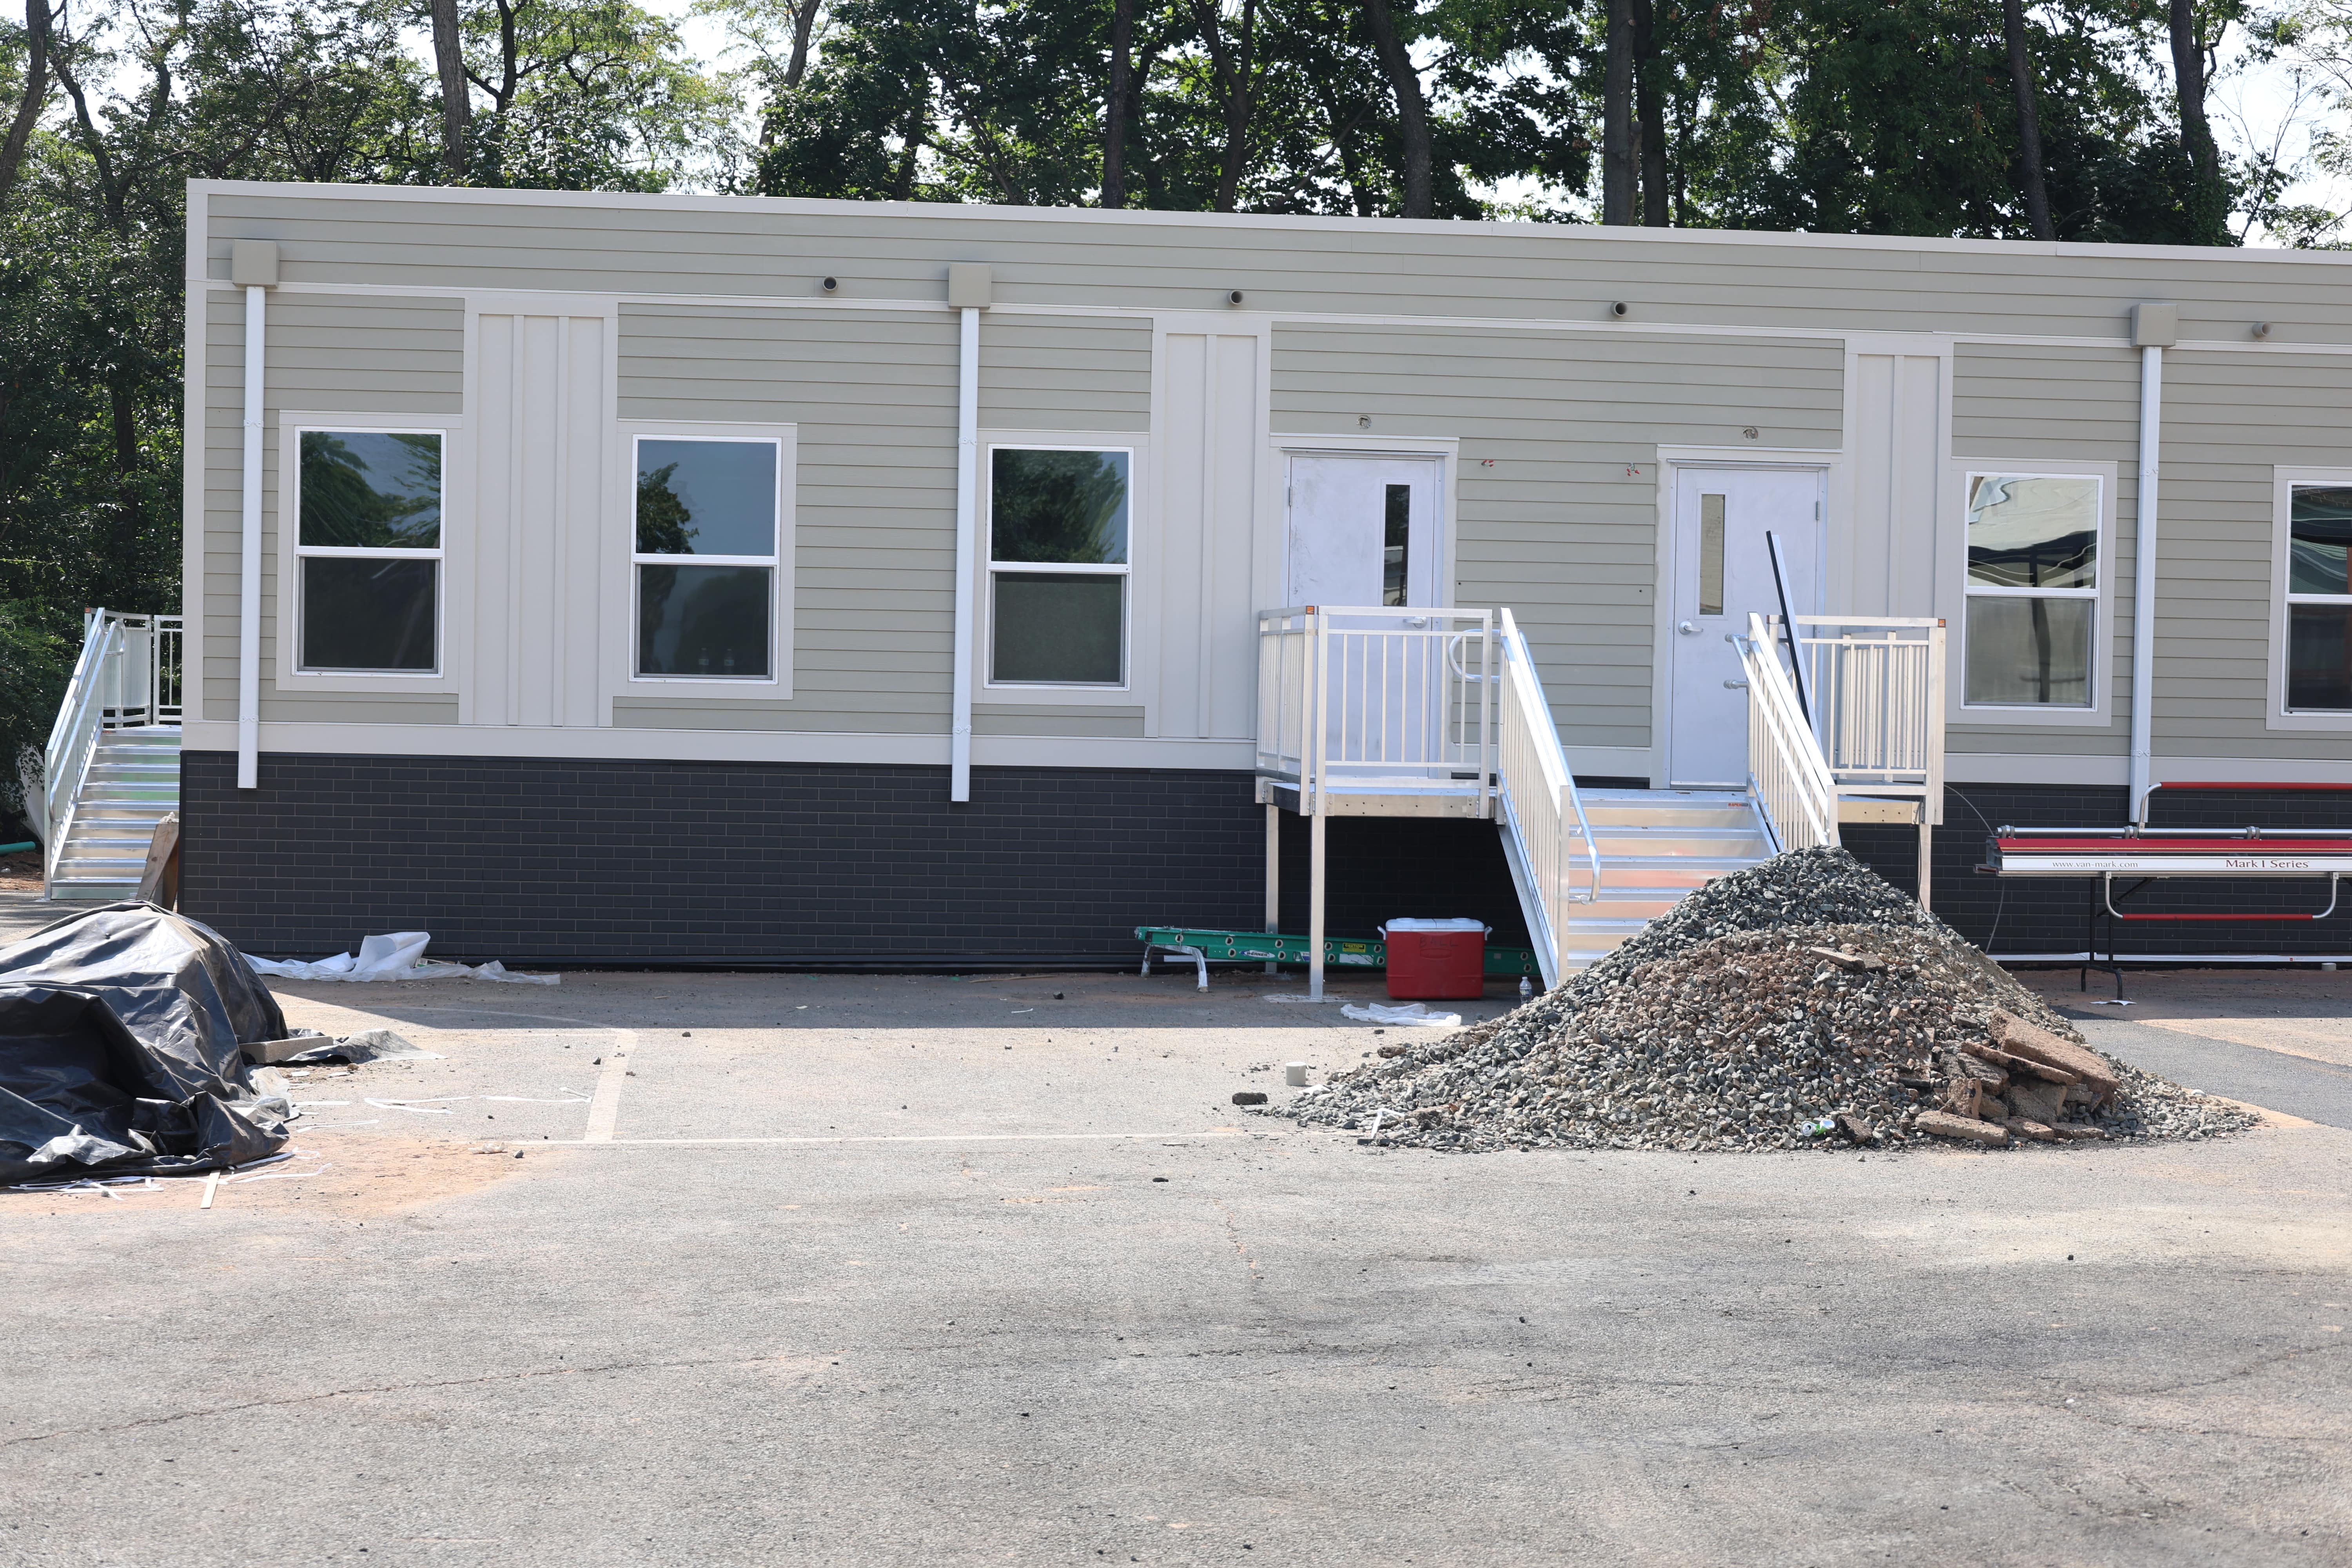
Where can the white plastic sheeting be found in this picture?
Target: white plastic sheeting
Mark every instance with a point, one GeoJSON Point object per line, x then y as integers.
{"type": "Point", "coordinates": [1404, 1012]}
{"type": "Point", "coordinates": [396, 955]}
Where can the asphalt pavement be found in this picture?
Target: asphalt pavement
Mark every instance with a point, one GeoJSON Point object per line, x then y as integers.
{"type": "Point", "coordinates": [858, 1270]}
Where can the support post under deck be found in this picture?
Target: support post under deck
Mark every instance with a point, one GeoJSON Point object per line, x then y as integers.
{"type": "Point", "coordinates": [1273, 872]}
{"type": "Point", "coordinates": [1315, 903]}
{"type": "Point", "coordinates": [1927, 853]}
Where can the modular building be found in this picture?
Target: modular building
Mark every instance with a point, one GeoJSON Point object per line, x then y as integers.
{"type": "Point", "coordinates": [728, 580]}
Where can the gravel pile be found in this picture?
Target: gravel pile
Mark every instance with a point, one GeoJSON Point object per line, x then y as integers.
{"type": "Point", "coordinates": [1724, 1026]}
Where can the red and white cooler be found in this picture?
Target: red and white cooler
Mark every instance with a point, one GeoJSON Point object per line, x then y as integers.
{"type": "Point", "coordinates": [1436, 961]}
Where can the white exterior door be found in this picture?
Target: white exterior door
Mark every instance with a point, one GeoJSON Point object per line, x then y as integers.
{"type": "Point", "coordinates": [1363, 534]}
{"type": "Point", "coordinates": [1723, 571]}
{"type": "Point", "coordinates": [1363, 531]}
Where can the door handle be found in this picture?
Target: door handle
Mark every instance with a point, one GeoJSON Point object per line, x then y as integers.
{"type": "Point", "coordinates": [1688, 628]}
{"type": "Point", "coordinates": [1735, 686]}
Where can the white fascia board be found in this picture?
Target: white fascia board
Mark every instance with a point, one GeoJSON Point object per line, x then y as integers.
{"type": "Point", "coordinates": [932, 212]}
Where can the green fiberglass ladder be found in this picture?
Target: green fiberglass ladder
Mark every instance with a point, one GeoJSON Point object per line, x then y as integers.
{"type": "Point", "coordinates": [1206, 947]}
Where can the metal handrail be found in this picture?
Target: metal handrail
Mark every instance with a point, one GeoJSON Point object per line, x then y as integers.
{"type": "Point", "coordinates": [1381, 695]}
{"type": "Point", "coordinates": [1878, 703]}
{"type": "Point", "coordinates": [1539, 711]}
{"type": "Point", "coordinates": [1787, 773]}
{"type": "Point", "coordinates": [1534, 782]}
{"type": "Point", "coordinates": [73, 739]}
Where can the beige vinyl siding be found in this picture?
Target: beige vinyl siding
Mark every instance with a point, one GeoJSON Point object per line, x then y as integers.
{"type": "Point", "coordinates": [752, 247]}
{"type": "Point", "coordinates": [1040, 718]}
{"type": "Point", "coordinates": [1558, 529]}
{"type": "Point", "coordinates": [1067, 373]}
{"type": "Point", "coordinates": [873, 394]}
{"type": "Point", "coordinates": [2230, 420]}
{"type": "Point", "coordinates": [326, 354]}
{"type": "Point", "coordinates": [2012, 404]}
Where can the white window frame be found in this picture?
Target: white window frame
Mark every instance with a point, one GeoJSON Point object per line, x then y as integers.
{"type": "Point", "coordinates": [2097, 712]}
{"type": "Point", "coordinates": [778, 683]}
{"type": "Point", "coordinates": [2279, 716]}
{"type": "Point", "coordinates": [449, 600]}
{"type": "Point", "coordinates": [1063, 691]}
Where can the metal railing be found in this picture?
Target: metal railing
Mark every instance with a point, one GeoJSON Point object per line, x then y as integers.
{"type": "Point", "coordinates": [1877, 691]}
{"type": "Point", "coordinates": [130, 675]}
{"type": "Point", "coordinates": [1378, 696]}
{"type": "Point", "coordinates": [1787, 772]}
{"type": "Point", "coordinates": [1537, 791]}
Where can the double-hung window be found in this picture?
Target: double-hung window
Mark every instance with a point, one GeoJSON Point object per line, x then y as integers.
{"type": "Point", "coordinates": [2319, 599]}
{"type": "Point", "coordinates": [1058, 548]}
{"type": "Point", "coordinates": [2032, 628]}
{"type": "Point", "coordinates": [368, 549]}
{"type": "Point", "coordinates": [704, 557]}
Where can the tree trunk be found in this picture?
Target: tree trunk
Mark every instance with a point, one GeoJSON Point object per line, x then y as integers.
{"type": "Point", "coordinates": [804, 24]}
{"type": "Point", "coordinates": [1412, 109]}
{"type": "Point", "coordinates": [37, 93]}
{"type": "Point", "coordinates": [918, 127]}
{"type": "Point", "coordinates": [2208, 203]}
{"type": "Point", "coordinates": [2029, 125]}
{"type": "Point", "coordinates": [1650, 121]}
{"type": "Point", "coordinates": [1617, 118]}
{"type": "Point", "coordinates": [456, 106]}
{"type": "Point", "coordinates": [1122, 45]}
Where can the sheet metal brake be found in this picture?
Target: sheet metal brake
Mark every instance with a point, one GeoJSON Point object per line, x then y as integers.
{"type": "Point", "coordinates": [2145, 856]}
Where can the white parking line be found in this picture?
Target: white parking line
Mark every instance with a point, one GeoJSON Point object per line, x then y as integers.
{"type": "Point", "coordinates": [909, 1138]}
{"type": "Point", "coordinates": [604, 1108]}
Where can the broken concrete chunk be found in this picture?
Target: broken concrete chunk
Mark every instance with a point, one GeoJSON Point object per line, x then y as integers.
{"type": "Point", "coordinates": [1966, 1128]}
{"type": "Point", "coordinates": [2077, 1131]}
{"type": "Point", "coordinates": [1855, 1130]}
{"type": "Point", "coordinates": [2037, 1101]}
{"type": "Point", "coordinates": [1249, 1097]}
{"type": "Point", "coordinates": [2032, 1131]}
{"type": "Point", "coordinates": [2020, 1038]}
{"type": "Point", "coordinates": [1392, 1051]}
{"type": "Point", "coordinates": [2014, 1064]}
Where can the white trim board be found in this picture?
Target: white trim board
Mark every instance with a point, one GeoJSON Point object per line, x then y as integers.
{"type": "Point", "coordinates": [280, 737]}
{"type": "Point", "coordinates": [503, 300]}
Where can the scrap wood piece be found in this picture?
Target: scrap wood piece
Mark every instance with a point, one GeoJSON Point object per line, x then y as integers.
{"type": "Point", "coordinates": [1852, 962]}
{"type": "Point", "coordinates": [2018, 1037]}
{"type": "Point", "coordinates": [2017, 1064]}
{"type": "Point", "coordinates": [1965, 1128]}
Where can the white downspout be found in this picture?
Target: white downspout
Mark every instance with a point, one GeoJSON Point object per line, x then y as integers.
{"type": "Point", "coordinates": [249, 589]}
{"type": "Point", "coordinates": [967, 548]}
{"type": "Point", "coordinates": [2153, 328]}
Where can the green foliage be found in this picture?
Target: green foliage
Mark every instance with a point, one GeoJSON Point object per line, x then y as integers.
{"type": "Point", "coordinates": [1880, 116]}
{"type": "Point", "coordinates": [35, 664]}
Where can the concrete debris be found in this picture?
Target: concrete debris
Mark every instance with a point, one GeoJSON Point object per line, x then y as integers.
{"type": "Point", "coordinates": [1801, 990]}
{"type": "Point", "coordinates": [1250, 1097]}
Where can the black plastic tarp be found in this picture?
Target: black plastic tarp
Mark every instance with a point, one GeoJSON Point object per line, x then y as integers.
{"type": "Point", "coordinates": [120, 1030]}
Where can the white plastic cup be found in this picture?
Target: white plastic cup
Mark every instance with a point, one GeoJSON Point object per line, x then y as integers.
{"type": "Point", "coordinates": [1294, 1074]}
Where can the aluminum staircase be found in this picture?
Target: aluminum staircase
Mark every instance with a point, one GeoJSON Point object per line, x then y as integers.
{"type": "Point", "coordinates": [1657, 848]}
{"type": "Point", "coordinates": [111, 768]}
{"type": "Point", "coordinates": [132, 783]}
